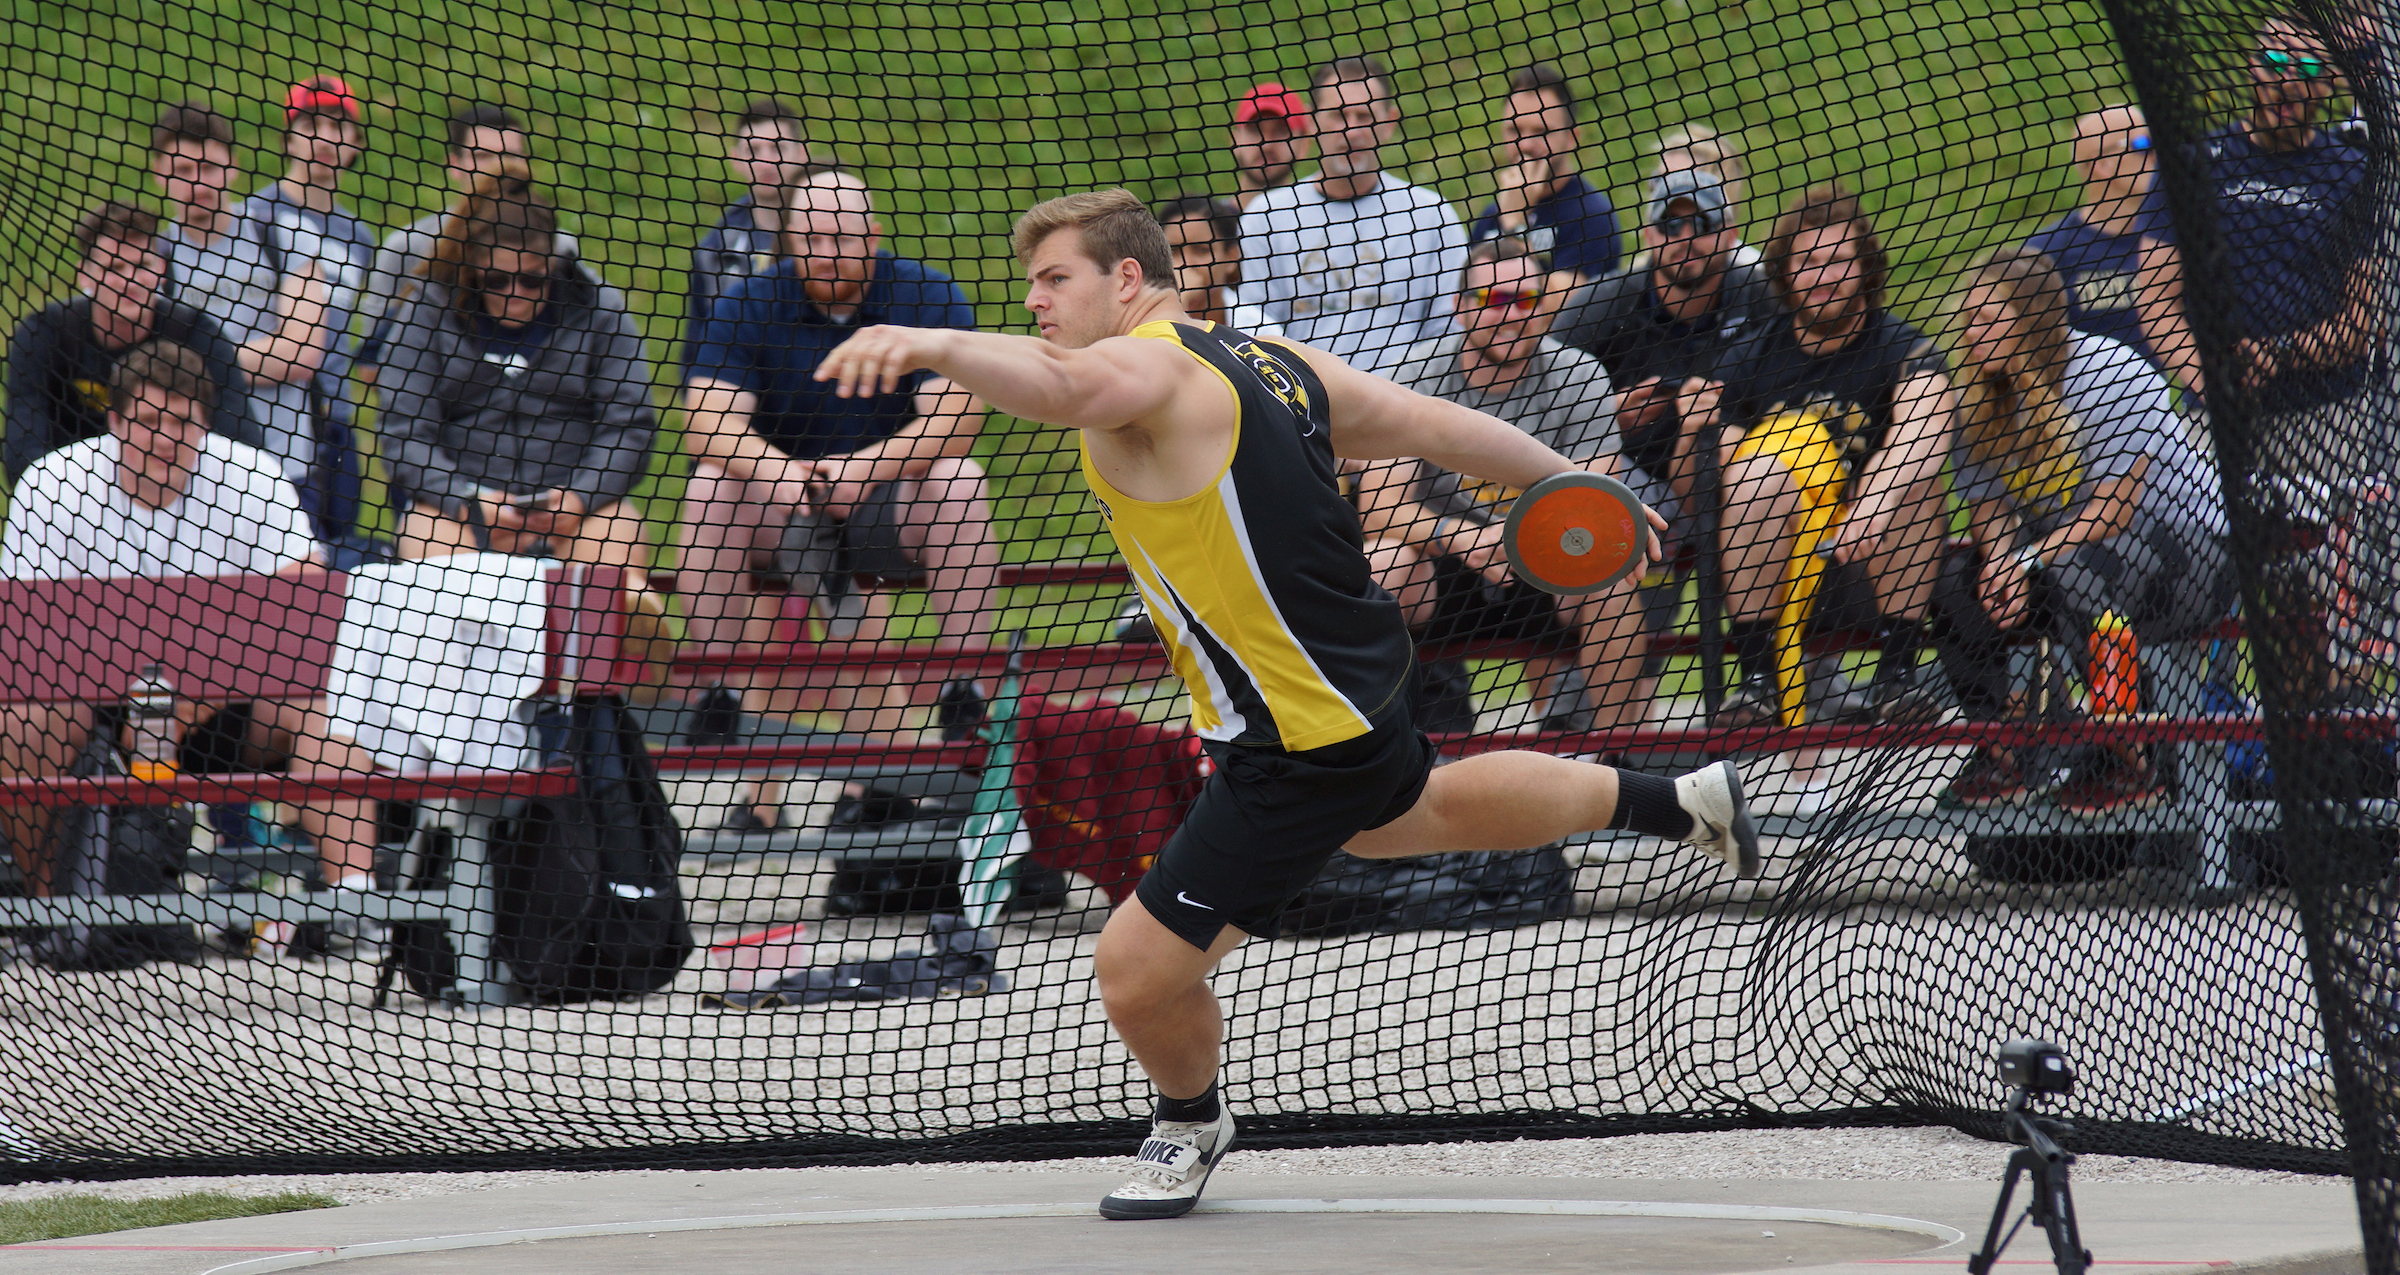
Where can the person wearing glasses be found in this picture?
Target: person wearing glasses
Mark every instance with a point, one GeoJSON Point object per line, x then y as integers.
{"type": "Point", "coordinates": [1434, 535]}
{"type": "Point", "coordinates": [517, 412]}
{"type": "Point", "coordinates": [2294, 230]}
{"type": "Point", "coordinates": [2096, 246]}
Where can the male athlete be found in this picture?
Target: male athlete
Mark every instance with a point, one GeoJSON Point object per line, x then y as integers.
{"type": "Point", "coordinates": [1213, 457]}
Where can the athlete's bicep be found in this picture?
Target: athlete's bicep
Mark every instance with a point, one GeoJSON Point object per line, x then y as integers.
{"type": "Point", "coordinates": [1371, 418]}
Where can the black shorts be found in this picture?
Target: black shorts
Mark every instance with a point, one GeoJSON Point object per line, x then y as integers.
{"type": "Point", "coordinates": [1268, 821]}
{"type": "Point", "coordinates": [1468, 607]}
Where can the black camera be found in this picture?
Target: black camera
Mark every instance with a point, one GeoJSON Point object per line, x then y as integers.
{"type": "Point", "coordinates": [2036, 1066]}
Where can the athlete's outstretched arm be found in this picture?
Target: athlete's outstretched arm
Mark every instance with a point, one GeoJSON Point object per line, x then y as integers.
{"type": "Point", "coordinates": [1373, 419]}
{"type": "Point", "coordinates": [1101, 386]}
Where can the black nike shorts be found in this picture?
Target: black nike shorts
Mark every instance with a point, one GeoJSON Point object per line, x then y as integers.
{"type": "Point", "coordinates": [1269, 820]}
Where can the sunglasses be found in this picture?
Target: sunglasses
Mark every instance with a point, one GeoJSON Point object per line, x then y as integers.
{"type": "Point", "coordinates": [511, 280]}
{"type": "Point", "coordinates": [1503, 298]}
{"type": "Point", "coordinates": [1678, 227]}
{"type": "Point", "coordinates": [2285, 62]}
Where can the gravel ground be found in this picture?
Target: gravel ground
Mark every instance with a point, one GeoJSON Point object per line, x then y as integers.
{"type": "Point", "coordinates": [1929, 1154]}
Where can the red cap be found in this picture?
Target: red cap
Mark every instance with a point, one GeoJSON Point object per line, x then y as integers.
{"type": "Point", "coordinates": [320, 95]}
{"type": "Point", "coordinates": [1269, 98]}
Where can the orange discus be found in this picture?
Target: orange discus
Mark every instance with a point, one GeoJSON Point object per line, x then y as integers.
{"type": "Point", "coordinates": [1575, 533]}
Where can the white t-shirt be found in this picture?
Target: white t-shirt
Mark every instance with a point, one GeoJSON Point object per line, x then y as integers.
{"type": "Point", "coordinates": [434, 658]}
{"type": "Point", "coordinates": [1363, 279]}
{"type": "Point", "coordinates": [70, 520]}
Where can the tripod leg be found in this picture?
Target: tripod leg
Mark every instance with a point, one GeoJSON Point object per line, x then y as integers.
{"type": "Point", "coordinates": [2066, 1239]}
{"type": "Point", "coordinates": [1981, 1262]}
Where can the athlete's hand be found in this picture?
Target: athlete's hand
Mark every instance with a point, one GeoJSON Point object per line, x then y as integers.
{"type": "Point", "coordinates": [875, 360]}
{"type": "Point", "coordinates": [2004, 591]}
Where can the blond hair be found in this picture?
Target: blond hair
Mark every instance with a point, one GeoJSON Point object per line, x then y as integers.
{"type": "Point", "coordinates": [2013, 417]}
{"type": "Point", "coordinates": [1114, 226]}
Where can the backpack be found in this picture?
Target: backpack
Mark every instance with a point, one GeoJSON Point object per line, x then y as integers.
{"type": "Point", "coordinates": [1101, 789]}
{"type": "Point", "coordinates": [1482, 890]}
{"type": "Point", "coordinates": [116, 850]}
{"type": "Point", "coordinates": [586, 893]}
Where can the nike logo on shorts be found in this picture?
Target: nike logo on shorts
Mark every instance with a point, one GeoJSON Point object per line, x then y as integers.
{"type": "Point", "coordinates": [1181, 897]}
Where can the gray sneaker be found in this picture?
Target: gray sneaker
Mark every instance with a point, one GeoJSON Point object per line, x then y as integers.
{"type": "Point", "coordinates": [1171, 1169]}
{"type": "Point", "coordinates": [1720, 817]}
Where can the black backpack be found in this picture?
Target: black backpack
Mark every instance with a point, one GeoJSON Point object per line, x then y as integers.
{"type": "Point", "coordinates": [588, 901]}
{"type": "Point", "coordinates": [105, 850]}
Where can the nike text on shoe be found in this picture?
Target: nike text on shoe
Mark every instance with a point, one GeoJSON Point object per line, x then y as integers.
{"type": "Point", "coordinates": [1720, 817]}
{"type": "Point", "coordinates": [1171, 1169]}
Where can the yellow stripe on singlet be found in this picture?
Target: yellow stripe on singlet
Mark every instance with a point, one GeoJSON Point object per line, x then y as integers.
{"type": "Point", "coordinates": [1199, 571]}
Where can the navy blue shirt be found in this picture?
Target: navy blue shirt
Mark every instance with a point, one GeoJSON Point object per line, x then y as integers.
{"type": "Point", "coordinates": [1576, 226]}
{"type": "Point", "coordinates": [765, 336]}
{"type": "Point", "coordinates": [2102, 273]}
{"type": "Point", "coordinates": [2291, 234]}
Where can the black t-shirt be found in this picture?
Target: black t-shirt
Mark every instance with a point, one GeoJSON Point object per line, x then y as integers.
{"type": "Point", "coordinates": [58, 374]}
{"type": "Point", "coordinates": [1855, 388]}
{"type": "Point", "coordinates": [1618, 320]}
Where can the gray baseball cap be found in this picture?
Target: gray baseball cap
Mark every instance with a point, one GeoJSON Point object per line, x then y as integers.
{"type": "Point", "coordinates": [1705, 189]}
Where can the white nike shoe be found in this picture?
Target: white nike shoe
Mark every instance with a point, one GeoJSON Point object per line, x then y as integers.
{"type": "Point", "coordinates": [1172, 1168]}
{"type": "Point", "coordinates": [1720, 817]}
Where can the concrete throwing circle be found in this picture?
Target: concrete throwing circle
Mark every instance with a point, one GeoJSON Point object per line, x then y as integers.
{"type": "Point", "coordinates": [1334, 1235]}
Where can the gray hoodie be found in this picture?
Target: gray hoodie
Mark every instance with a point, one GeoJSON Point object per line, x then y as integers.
{"type": "Point", "coordinates": [571, 412]}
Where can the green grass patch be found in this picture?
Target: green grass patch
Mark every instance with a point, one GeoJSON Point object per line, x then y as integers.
{"type": "Point", "coordinates": [60, 1216]}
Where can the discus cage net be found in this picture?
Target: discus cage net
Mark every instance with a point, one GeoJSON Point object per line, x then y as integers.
{"type": "Point", "coordinates": [2143, 806]}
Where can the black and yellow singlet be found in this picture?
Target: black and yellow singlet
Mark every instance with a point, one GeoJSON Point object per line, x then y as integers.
{"type": "Point", "coordinates": [1257, 583]}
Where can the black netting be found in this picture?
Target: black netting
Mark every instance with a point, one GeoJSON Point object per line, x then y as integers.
{"type": "Point", "coordinates": [474, 698]}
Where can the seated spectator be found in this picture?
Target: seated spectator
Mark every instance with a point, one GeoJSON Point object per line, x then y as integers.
{"type": "Point", "coordinates": [1356, 263]}
{"type": "Point", "coordinates": [2097, 245]}
{"type": "Point", "coordinates": [1700, 147]}
{"type": "Point", "coordinates": [482, 139]}
{"type": "Point", "coordinates": [769, 442]}
{"type": "Point", "coordinates": [1835, 418]}
{"type": "Point", "coordinates": [1434, 538]}
{"type": "Point", "coordinates": [1206, 234]}
{"type": "Point", "coordinates": [158, 495]}
{"type": "Point", "coordinates": [769, 156]}
{"type": "Point", "coordinates": [1669, 317]}
{"type": "Point", "coordinates": [1541, 198]}
{"type": "Point", "coordinates": [61, 357]}
{"type": "Point", "coordinates": [1270, 138]}
{"type": "Point", "coordinates": [306, 417]}
{"type": "Point", "coordinates": [2085, 501]}
{"type": "Point", "coordinates": [517, 395]}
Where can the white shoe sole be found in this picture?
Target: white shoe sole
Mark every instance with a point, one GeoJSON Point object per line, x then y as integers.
{"type": "Point", "coordinates": [1117, 1208]}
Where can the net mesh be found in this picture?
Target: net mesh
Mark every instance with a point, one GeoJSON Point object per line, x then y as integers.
{"type": "Point", "coordinates": [473, 698]}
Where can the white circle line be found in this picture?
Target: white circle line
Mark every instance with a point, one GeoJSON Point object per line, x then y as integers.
{"type": "Point", "coordinates": [1942, 1235]}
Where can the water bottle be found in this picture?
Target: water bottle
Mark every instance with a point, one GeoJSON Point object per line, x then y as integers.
{"type": "Point", "coordinates": [150, 725]}
{"type": "Point", "coordinates": [2116, 668]}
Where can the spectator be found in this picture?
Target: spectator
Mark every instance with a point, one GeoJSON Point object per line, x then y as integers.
{"type": "Point", "coordinates": [1541, 198]}
{"type": "Point", "coordinates": [1356, 262]}
{"type": "Point", "coordinates": [306, 231]}
{"type": "Point", "coordinates": [1205, 233]}
{"type": "Point", "coordinates": [1698, 146]}
{"type": "Point", "coordinates": [59, 358]}
{"type": "Point", "coordinates": [481, 140]}
{"type": "Point", "coordinates": [770, 157]}
{"type": "Point", "coordinates": [2084, 499]}
{"type": "Point", "coordinates": [1835, 418]}
{"type": "Point", "coordinates": [1270, 138]}
{"type": "Point", "coordinates": [2292, 230]}
{"type": "Point", "coordinates": [1435, 538]}
{"type": "Point", "coordinates": [1668, 318]}
{"type": "Point", "coordinates": [769, 442]}
{"type": "Point", "coordinates": [159, 496]}
{"type": "Point", "coordinates": [2097, 245]}
{"type": "Point", "coordinates": [518, 394]}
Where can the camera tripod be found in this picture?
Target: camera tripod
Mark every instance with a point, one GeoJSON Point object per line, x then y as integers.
{"type": "Point", "coordinates": [2039, 1157]}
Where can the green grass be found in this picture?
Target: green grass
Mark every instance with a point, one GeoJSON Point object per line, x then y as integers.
{"type": "Point", "coordinates": [59, 1216]}
{"type": "Point", "coordinates": [1947, 115]}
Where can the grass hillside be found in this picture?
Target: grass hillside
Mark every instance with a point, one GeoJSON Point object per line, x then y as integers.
{"type": "Point", "coordinates": [1945, 114]}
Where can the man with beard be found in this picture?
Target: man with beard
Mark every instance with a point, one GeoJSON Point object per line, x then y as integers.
{"type": "Point", "coordinates": [769, 443]}
{"type": "Point", "coordinates": [1270, 137]}
{"type": "Point", "coordinates": [1835, 417]}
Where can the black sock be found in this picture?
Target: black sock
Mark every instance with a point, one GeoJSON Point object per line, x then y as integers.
{"type": "Point", "coordinates": [1198, 1110]}
{"type": "Point", "coordinates": [1754, 642]}
{"type": "Point", "coordinates": [1646, 804]}
{"type": "Point", "coordinates": [1902, 639]}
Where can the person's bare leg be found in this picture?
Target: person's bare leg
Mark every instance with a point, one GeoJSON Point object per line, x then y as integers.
{"type": "Point", "coordinates": [722, 518]}
{"type": "Point", "coordinates": [1756, 535]}
{"type": "Point", "coordinates": [1616, 641]}
{"type": "Point", "coordinates": [1497, 801]}
{"type": "Point", "coordinates": [38, 739]}
{"type": "Point", "coordinates": [1154, 986]}
{"type": "Point", "coordinates": [612, 536]}
{"type": "Point", "coordinates": [1905, 563]}
{"type": "Point", "coordinates": [1407, 575]}
{"type": "Point", "coordinates": [946, 524]}
{"type": "Point", "coordinates": [342, 828]}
